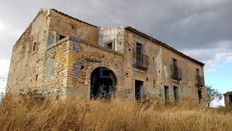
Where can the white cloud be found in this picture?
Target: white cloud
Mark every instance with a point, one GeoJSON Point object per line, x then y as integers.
{"type": "Point", "coordinates": [4, 68]}
{"type": "Point", "coordinates": [213, 56]}
{"type": "Point", "coordinates": [1, 26]}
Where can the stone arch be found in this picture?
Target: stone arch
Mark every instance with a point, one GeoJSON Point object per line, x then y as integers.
{"type": "Point", "coordinates": [92, 66]}
{"type": "Point", "coordinates": [102, 82]}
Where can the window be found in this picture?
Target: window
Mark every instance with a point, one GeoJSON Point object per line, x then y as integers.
{"type": "Point", "coordinates": [175, 93]}
{"type": "Point", "coordinates": [109, 45]}
{"type": "Point", "coordinates": [197, 71]}
{"type": "Point", "coordinates": [34, 47]}
{"type": "Point", "coordinates": [199, 95]}
{"type": "Point", "coordinates": [140, 59]}
{"type": "Point", "coordinates": [174, 61]}
{"type": "Point", "coordinates": [166, 93]}
{"type": "Point", "coordinates": [176, 72]}
{"type": "Point", "coordinates": [36, 77]}
{"type": "Point", "coordinates": [139, 53]}
{"type": "Point", "coordinates": [60, 37]}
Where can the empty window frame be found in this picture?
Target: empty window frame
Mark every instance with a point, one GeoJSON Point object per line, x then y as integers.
{"type": "Point", "coordinates": [60, 37]}
{"type": "Point", "coordinates": [175, 93]}
{"type": "Point", "coordinates": [139, 53]}
{"type": "Point", "coordinates": [197, 72]}
{"type": "Point", "coordinates": [35, 47]}
{"type": "Point", "coordinates": [166, 93]}
{"type": "Point", "coordinates": [109, 45]}
{"type": "Point", "coordinates": [174, 62]}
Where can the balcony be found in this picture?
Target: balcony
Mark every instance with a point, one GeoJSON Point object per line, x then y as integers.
{"type": "Point", "coordinates": [140, 61]}
{"type": "Point", "coordinates": [176, 73]}
{"type": "Point", "coordinates": [200, 81]}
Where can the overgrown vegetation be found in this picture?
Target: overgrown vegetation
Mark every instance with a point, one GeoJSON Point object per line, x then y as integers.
{"type": "Point", "coordinates": [213, 94]}
{"type": "Point", "coordinates": [78, 114]}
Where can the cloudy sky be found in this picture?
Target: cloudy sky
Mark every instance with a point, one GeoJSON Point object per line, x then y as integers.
{"type": "Point", "coordinates": [199, 28]}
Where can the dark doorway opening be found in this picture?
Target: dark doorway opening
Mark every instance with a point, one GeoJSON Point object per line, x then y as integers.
{"type": "Point", "coordinates": [175, 93]}
{"type": "Point", "coordinates": [103, 82]}
{"type": "Point", "coordinates": [138, 89]}
{"type": "Point", "coordinates": [199, 95]}
{"type": "Point", "coordinates": [166, 93]}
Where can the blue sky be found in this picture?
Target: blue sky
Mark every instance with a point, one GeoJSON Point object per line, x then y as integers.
{"type": "Point", "coordinates": [201, 29]}
{"type": "Point", "coordinates": [220, 78]}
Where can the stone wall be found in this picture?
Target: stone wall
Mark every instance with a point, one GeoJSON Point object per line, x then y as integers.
{"type": "Point", "coordinates": [158, 73]}
{"type": "Point", "coordinates": [58, 53]}
{"type": "Point", "coordinates": [27, 60]}
{"type": "Point", "coordinates": [83, 59]}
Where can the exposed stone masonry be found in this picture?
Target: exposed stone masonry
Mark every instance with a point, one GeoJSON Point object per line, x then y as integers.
{"type": "Point", "coordinates": [76, 59]}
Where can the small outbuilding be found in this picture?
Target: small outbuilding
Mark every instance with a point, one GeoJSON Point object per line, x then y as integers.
{"type": "Point", "coordinates": [228, 99]}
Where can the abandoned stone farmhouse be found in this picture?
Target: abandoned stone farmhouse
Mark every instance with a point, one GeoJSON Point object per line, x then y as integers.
{"type": "Point", "coordinates": [68, 57]}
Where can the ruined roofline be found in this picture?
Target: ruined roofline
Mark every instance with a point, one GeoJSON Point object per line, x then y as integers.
{"type": "Point", "coordinates": [228, 93]}
{"type": "Point", "coordinates": [126, 28]}
{"type": "Point", "coordinates": [28, 27]}
{"type": "Point", "coordinates": [129, 28]}
{"type": "Point", "coordinates": [44, 10]}
{"type": "Point", "coordinates": [74, 18]}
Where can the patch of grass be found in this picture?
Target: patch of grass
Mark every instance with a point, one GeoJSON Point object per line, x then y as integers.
{"type": "Point", "coordinates": [117, 114]}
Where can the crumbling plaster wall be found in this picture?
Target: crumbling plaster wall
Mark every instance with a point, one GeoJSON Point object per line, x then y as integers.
{"type": "Point", "coordinates": [158, 74]}
{"type": "Point", "coordinates": [114, 35]}
{"type": "Point", "coordinates": [66, 64]}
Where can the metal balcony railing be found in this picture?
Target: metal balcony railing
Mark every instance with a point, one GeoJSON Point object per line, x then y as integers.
{"type": "Point", "coordinates": [140, 61]}
{"type": "Point", "coordinates": [176, 73]}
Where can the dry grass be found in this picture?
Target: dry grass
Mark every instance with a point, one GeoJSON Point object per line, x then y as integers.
{"type": "Point", "coordinates": [28, 114]}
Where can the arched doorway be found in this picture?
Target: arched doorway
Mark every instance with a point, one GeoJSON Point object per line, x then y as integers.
{"type": "Point", "coordinates": [103, 82]}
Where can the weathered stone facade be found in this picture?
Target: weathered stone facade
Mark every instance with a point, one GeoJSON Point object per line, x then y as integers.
{"type": "Point", "coordinates": [70, 57]}
{"type": "Point", "coordinates": [228, 99]}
